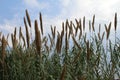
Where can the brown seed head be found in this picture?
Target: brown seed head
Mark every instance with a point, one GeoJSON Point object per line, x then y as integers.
{"type": "Point", "coordinates": [89, 25]}
{"type": "Point", "coordinates": [37, 38]}
{"type": "Point", "coordinates": [41, 24]}
{"type": "Point", "coordinates": [27, 33]}
{"type": "Point", "coordinates": [84, 23]}
{"type": "Point", "coordinates": [93, 22]}
{"type": "Point", "coordinates": [115, 21]}
{"type": "Point", "coordinates": [28, 18]}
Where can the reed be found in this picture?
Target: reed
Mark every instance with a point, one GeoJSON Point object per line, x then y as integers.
{"type": "Point", "coordinates": [80, 28]}
{"type": "Point", "coordinates": [28, 18]}
{"type": "Point", "coordinates": [3, 56]}
{"type": "Point", "coordinates": [27, 33]}
{"type": "Point", "coordinates": [93, 22]}
{"type": "Point", "coordinates": [84, 23]}
{"type": "Point", "coordinates": [41, 23]}
{"type": "Point", "coordinates": [90, 26]}
{"type": "Point", "coordinates": [21, 37]}
{"type": "Point", "coordinates": [20, 34]}
{"type": "Point", "coordinates": [70, 29]}
{"type": "Point", "coordinates": [3, 48]}
{"type": "Point", "coordinates": [56, 56]}
{"type": "Point", "coordinates": [115, 21]}
{"type": "Point", "coordinates": [12, 38]}
{"type": "Point", "coordinates": [58, 43]}
{"type": "Point", "coordinates": [62, 77]}
{"type": "Point", "coordinates": [99, 37]}
{"type": "Point", "coordinates": [75, 42]}
{"type": "Point", "coordinates": [88, 51]}
{"type": "Point", "coordinates": [37, 38]}
{"type": "Point", "coordinates": [66, 37]}
{"type": "Point", "coordinates": [103, 35]}
{"type": "Point", "coordinates": [53, 30]}
{"type": "Point", "coordinates": [115, 25]}
{"type": "Point", "coordinates": [99, 28]}
{"type": "Point", "coordinates": [108, 30]}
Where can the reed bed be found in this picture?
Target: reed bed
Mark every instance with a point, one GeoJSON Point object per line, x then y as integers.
{"type": "Point", "coordinates": [51, 57]}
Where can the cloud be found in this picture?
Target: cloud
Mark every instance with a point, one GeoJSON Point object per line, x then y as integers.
{"type": "Point", "coordinates": [64, 3]}
{"type": "Point", "coordinates": [80, 8]}
{"type": "Point", "coordinates": [36, 4]}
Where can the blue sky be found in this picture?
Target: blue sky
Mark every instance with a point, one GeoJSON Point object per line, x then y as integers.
{"type": "Point", "coordinates": [55, 11]}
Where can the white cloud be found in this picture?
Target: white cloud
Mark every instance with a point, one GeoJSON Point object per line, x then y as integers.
{"type": "Point", "coordinates": [80, 8]}
{"type": "Point", "coordinates": [6, 28]}
{"type": "Point", "coordinates": [36, 4]}
{"type": "Point", "coordinates": [65, 3]}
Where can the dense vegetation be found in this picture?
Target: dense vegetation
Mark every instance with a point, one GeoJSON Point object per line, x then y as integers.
{"type": "Point", "coordinates": [64, 55]}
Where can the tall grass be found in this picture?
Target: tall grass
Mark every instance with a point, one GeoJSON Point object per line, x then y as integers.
{"type": "Point", "coordinates": [86, 59]}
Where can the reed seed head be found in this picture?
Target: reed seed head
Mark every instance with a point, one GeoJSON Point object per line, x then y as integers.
{"type": "Point", "coordinates": [89, 25]}
{"type": "Point", "coordinates": [28, 18]}
{"type": "Point", "coordinates": [115, 21]}
{"type": "Point", "coordinates": [93, 22]}
{"type": "Point", "coordinates": [41, 23]}
{"type": "Point", "coordinates": [37, 38]}
{"type": "Point", "coordinates": [84, 23]}
{"type": "Point", "coordinates": [27, 33]}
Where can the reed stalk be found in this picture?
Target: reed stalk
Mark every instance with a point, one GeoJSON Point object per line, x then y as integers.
{"type": "Point", "coordinates": [62, 77]}
{"type": "Point", "coordinates": [75, 42]}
